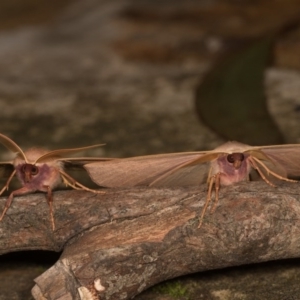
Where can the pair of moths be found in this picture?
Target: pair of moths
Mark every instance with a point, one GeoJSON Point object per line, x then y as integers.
{"type": "Point", "coordinates": [41, 170]}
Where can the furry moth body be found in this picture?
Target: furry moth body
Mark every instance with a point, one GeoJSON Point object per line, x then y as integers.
{"type": "Point", "coordinates": [41, 170]}
{"type": "Point", "coordinates": [227, 164]}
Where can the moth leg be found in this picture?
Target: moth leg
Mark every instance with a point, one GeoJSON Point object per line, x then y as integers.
{"type": "Point", "coordinates": [255, 166]}
{"type": "Point", "coordinates": [217, 189]}
{"type": "Point", "coordinates": [8, 182]}
{"type": "Point", "coordinates": [7, 205]}
{"type": "Point", "coordinates": [21, 191]}
{"type": "Point", "coordinates": [68, 183]}
{"type": "Point", "coordinates": [271, 172]}
{"type": "Point", "coordinates": [209, 175]}
{"type": "Point", "coordinates": [208, 198]}
{"type": "Point", "coordinates": [68, 180]}
{"type": "Point", "coordinates": [50, 203]}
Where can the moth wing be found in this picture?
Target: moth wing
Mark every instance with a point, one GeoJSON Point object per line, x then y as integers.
{"type": "Point", "coordinates": [154, 170]}
{"type": "Point", "coordinates": [284, 157]}
{"type": "Point", "coordinates": [83, 160]}
{"type": "Point", "coordinates": [77, 163]}
{"type": "Point", "coordinates": [11, 145]}
{"type": "Point", "coordinates": [62, 153]}
{"type": "Point", "coordinates": [191, 175]}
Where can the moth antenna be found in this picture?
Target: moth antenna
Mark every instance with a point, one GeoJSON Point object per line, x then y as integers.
{"type": "Point", "coordinates": [63, 152]}
{"type": "Point", "coordinates": [208, 198]}
{"type": "Point", "coordinates": [268, 170]}
{"type": "Point", "coordinates": [6, 186]}
{"type": "Point", "coordinates": [12, 146]}
{"type": "Point", "coordinates": [69, 180]}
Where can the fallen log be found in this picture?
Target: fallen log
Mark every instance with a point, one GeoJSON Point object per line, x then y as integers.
{"type": "Point", "coordinates": [118, 244]}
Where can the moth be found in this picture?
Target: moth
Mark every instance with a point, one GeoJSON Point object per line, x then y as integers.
{"type": "Point", "coordinates": [225, 165]}
{"type": "Point", "coordinates": [42, 170]}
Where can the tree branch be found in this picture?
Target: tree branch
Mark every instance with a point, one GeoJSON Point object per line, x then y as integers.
{"type": "Point", "coordinates": [118, 244]}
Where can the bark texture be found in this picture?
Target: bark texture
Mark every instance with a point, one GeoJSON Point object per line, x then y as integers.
{"type": "Point", "coordinates": [118, 244]}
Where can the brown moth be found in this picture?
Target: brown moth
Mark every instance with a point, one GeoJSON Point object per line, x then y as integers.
{"type": "Point", "coordinates": [229, 163]}
{"type": "Point", "coordinates": [42, 170]}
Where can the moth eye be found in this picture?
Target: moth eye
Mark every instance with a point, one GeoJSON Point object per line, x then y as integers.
{"type": "Point", "coordinates": [34, 170]}
{"type": "Point", "coordinates": [230, 158]}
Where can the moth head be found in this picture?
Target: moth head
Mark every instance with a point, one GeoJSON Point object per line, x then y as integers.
{"type": "Point", "coordinates": [236, 159]}
{"type": "Point", "coordinates": [29, 171]}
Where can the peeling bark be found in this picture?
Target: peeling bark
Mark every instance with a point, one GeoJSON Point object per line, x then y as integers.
{"type": "Point", "coordinates": [118, 244]}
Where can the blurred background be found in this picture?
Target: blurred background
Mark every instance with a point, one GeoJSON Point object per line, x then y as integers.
{"type": "Point", "coordinates": [149, 77]}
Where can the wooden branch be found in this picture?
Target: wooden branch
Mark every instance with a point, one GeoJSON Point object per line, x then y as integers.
{"type": "Point", "coordinates": [118, 244]}
{"type": "Point", "coordinates": [27, 226]}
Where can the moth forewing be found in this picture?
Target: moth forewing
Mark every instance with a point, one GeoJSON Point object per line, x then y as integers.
{"type": "Point", "coordinates": [149, 170]}
{"type": "Point", "coordinates": [41, 170]}
{"type": "Point", "coordinates": [190, 175]}
{"type": "Point", "coordinates": [268, 161]}
{"type": "Point", "coordinates": [268, 168]}
{"type": "Point", "coordinates": [288, 156]}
